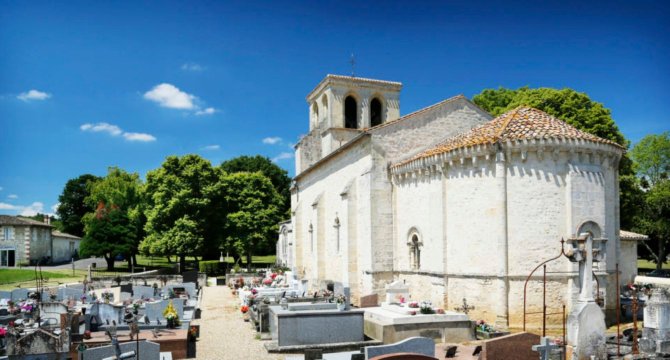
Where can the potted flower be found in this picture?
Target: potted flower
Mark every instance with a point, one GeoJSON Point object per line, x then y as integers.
{"type": "Point", "coordinates": [87, 334]}
{"type": "Point", "coordinates": [413, 304]}
{"type": "Point", "coordinates": [267, 282]}
{"type": "Point", "coordinates": [3, 333]}
{"type": "Point", "coordinates": [427, 308]}
{"type": "Point", "coordinates": [83, 299]}
{"type": "Point", "coordinates": [486, 331]}
{"type": "Point", "coordinates": [244, 309]}
{"type": "Point", "coordinates": [106, 296]}
{"type": "Point", "coordinates": [341, 302]}
{"type": "Point", "coordinates": [27, 310]}
{"type": "Point", "coordinates": [93, 295]}
{"type": "Point", "coordinates": [171, 316]}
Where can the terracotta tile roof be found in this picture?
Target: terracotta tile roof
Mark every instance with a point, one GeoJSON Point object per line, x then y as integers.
{"type": "Point", "coordinates": [20, 221]}
{"type": "Point", "coordinates": [522, 123]}
{"type": "Point", "coordinates": [629, 235]}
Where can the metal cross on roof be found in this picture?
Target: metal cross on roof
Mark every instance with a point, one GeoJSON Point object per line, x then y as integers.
{"type": "Point", "coordinates": [465, 308]}
{"type": "Point", "coordinates": [352, 61]}
{"type": "Point", "coordinates": [545, 347]}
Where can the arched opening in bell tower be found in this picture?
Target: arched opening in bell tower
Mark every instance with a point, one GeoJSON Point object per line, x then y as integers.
{"type": "Point", "coordinates": [350, 113]}
{"type": "Point", "coordinates": [375, 112]}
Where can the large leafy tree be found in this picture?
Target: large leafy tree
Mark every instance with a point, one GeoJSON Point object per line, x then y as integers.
{"type": "Point", "coordinates": [123, 191]}
{"type": "Point", "coordinates": [109, 232]}
{"type": "Point", "coordinates": [179, 190]}
{"type": "Point", "coordinates": [652, 157]}
{"type": "Point", "coordinates": [252, 210]}
{"type": "Point", "coordinates": [278, 176]}
{"type": "Point", "coordinates": [72, 207]}
{"type": "Point", "coordinates": [652, 163]}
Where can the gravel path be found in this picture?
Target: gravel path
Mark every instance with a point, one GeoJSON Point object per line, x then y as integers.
{"type": "Point", "coordinates": [223, 332]}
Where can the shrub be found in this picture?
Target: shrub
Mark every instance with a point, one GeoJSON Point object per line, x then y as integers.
{"type": "Point", "coordinates": [212, 267]}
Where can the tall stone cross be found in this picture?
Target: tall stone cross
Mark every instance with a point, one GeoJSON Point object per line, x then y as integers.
{"type": "Point", "coordinates": [545, 348]}
{"type": "Point", "coordinates": [586, 322]}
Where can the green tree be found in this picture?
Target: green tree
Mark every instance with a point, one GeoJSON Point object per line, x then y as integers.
{"type": "Point", "coordinates": [124, 191]}
{"type": "Point", "coordinates": [179, 190]}
{"type": "Point", "coordinates": [108, 232]}
{"type": "Point", "coordinates": [252, 208]}
{"type": "Point", "coordinates": [72, 206]}
{"type": "Point", "coordinates": [278, 176]}
{"type": "Point", "coordinates": [655, 221]}
{"type": "Point", "coordinates": [652, 157]}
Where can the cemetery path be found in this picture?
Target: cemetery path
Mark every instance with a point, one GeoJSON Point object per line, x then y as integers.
{"type": "Point", "coordinates": [223, 332]}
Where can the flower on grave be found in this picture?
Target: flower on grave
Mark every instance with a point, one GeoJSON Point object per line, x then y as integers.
{"type": "Point", "coordinates": [254, 291]}
{"type": "Point", "coordinates": [439, 311]}
{"type": "Point", "coordinates": [244, 309]}
{"type": "Point", "coordinates": [106, 295]}
{"type": "Point", "coordinates": [87, 334]}
{"type": "Point", "coordinates": [170, 314]}
{"type": "Point", "coordinates": [427, 307]}
{"type": "Point", "coordinates": [273, 276]}
{"type": "Point", "coordinates": [83, 298]}
{"type": "Point", "coordinates": [402, 299]}
{"type": "Point", "coordinates": [340, 299]}
{"type": "Point", "coordinates": [412, 312]}
{"type": "Point", "coordinates": [27, 308]}
{"type": "Point", "coordinates": [93, 296]}
{"type": "Point", "coordinates": [413, 304]}
{"type": "Point", "coordinates": [10, 324]}
{"type": "Point", "coordinates": [3, 332]}
{"type": "Point", "coordinates": [483, 326]}
{"type": "Point", "coordinates": [267, 281]}
{"type": "Point", "coordinates": [192, 333]}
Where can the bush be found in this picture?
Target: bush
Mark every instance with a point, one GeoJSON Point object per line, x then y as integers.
{"type": "Point", "coordinates": [212, 267]}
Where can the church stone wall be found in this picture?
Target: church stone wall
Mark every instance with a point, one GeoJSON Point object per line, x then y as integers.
{"type": "Point", "coordinates": [423, 287]}
{"type": "Point", "coordinates": [414, 134]}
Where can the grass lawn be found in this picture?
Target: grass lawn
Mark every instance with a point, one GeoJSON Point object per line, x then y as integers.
{"type": "Point", "coordinates": [13, 278]}
{"type": "Point", "coordinates": [644, 266]}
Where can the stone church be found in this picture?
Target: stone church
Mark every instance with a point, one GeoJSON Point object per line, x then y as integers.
{"type": "Point", "coordinates": [456, 204]}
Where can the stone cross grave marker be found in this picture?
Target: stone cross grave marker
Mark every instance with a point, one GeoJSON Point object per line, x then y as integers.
{"type": "Point", "coordinates": [586, 322]}
{"type": "Point", "coordinates": [545, 348]}
{"type": "Point", "coordinates": [465, 308]}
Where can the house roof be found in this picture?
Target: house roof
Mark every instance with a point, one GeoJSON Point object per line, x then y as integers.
{"type": "Point", "coordinates": [64, 235]}
{"type": "Point", "coordinates": [20, 221]}
{"type": "Point", "coordinates": [629, 235]}
{"type": "Point", "coordinates": [522, 123]}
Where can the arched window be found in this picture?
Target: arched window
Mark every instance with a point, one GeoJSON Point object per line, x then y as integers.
{"type": "Point", "coordinates": [415, 252]}
{"type": "Point", "coordinates": [375, 112]}
{"type": "Point", "coordinates": [315, 115]}
{"type": "Point", "coordinates": [590, 227]}
{"type": "Point", "coordinates": [350, 113]}
{"type": "Point", "coordinates": [324, 106]}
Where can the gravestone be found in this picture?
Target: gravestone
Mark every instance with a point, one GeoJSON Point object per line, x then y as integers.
{"type": "Point", "coordinates": [516, 346]}
{"type": "Point", "coordinates": [6, 295]}
{"type": "Point", "coordinates": [414, 345]}
{"type": "Point", "coordinates": [154, 310]}
{"type": "Point", "coordinates": [396, 291]}
{"type": "Point", "coordinates": [109, 313]}
{"type": "Point", "coordinates": [586, 322]}
{"type": "Point", "coordinates": [69, 293]}
{"type": "Point", "coordinates": [656, 331]}
{"type": "Point", "coordinates": [188, 287]}
{"type": "Point", "coordinates": [339, 288]}
{"type": "Point", "coordinates": [52, 310]}
{"type": "Point", "coordinates": [143, 292]}
{"type": "Point", "coordinates": [369, 301]}
{"type": "Point", "coordinates": [127, 288]}
{"type": "Point", "coordinates": [147, 350]}
{"type": "Point", "coordinates": [19, 294]}
{"type": "Point", "coordinates": [190, 277]}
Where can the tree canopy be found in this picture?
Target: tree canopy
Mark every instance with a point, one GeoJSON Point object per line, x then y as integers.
{"type": "Point", "coordinates": [278, 176]}
{"type": "Point", "coordinates": [652, 157]}
{"type": "Point", "coordinates": [72, 206]}
{"type": "Point", "coordinates": [108, 232]}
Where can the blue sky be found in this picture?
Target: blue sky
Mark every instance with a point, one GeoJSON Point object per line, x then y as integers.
{"type": "Point", "coordinates": [85, 85]}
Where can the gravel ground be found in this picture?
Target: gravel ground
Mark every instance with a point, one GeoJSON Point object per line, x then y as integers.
{"type": "Point", "coordinates": [223, 332]}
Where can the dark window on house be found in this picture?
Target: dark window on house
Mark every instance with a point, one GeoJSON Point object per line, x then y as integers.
{"type": "Point", "coordinates": [350, 113]}
{"type": "Point", "coordinates": [375, 112]}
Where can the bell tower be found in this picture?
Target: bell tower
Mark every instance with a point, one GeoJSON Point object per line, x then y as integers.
{"type": "Point", "coordinates": [341, 107]}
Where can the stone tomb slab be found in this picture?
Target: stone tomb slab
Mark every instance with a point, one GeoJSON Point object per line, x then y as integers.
{"type": "Point", "coordinates": [514, 346]}
{"type": "Point", "coordinates": [143, 292]}
{"type": "Point", "coordinates": [109, 312]}
{"type": "Point", "coordinates": [154, 310]}
{"type": "Point", "coordinates": [6, 295]}
{"type": "Point", "coordinates": [396, 291]}
{"type": "Point", "coordinates": [391, 327]}
{"type": "Point", "coordinates": [148, 350]}
{"type": "Point", "coordinates": [52, 310]}
{"type": "Point", "coordinates": [413, 345]}
{"type": "Point", "coordinates": [173, 340]}
{"type": "Point", "coordinates": [115, 291]}
{"type": "Point", "coordinates": [70, 293]}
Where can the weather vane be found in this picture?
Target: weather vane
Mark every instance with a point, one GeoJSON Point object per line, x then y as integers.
{"type": "Point", "coordinates": [353, 65]}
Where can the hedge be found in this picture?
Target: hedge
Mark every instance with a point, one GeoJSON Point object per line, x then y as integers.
{"type": "Point", "coordinates": [212, 267]}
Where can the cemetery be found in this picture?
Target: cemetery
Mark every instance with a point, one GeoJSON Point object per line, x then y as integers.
{"type": "Point", "coordinates": [143, 317]}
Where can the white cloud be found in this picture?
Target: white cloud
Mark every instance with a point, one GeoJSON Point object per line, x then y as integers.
{"type": "Point", "coordinates": [139, 137]}
{"type": "Point", "coordinates": [114, 130]}
{"type": "Point", "coordinates": [272, 140]}
{"type": "Point", "coordinates": [102, 127]}
{"type": "Point", "coordinates": [32, 209]}
{"type": "Point", "coordinates": [169, 96]}
{"type": "Point", "coordinates": [208, 111]}
{"type": "Point", "coordinates": [12, 196]}
{"type": "Point", "coordinates": [1, 188]}
{"type": "Point", "coordinates": [33, 95]}
{"type": "Point", "coordinates": [5, 206]}
{"type": "Point", "coordinates": [282, 156]}
{"type": "Point", "coordinates": [211, 147]}
{"type": "Point", "coordinates": [191, 66]}
{"type": "Point", "coordinates": [54, 207]}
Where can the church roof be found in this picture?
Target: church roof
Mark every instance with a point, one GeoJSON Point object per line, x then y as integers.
{"type": "Point", "coordinates": [330, 78]}
{"type": "Point", "coordinates": [20, 221]}
{"type": "Point", "coordinates": [522, 123]}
